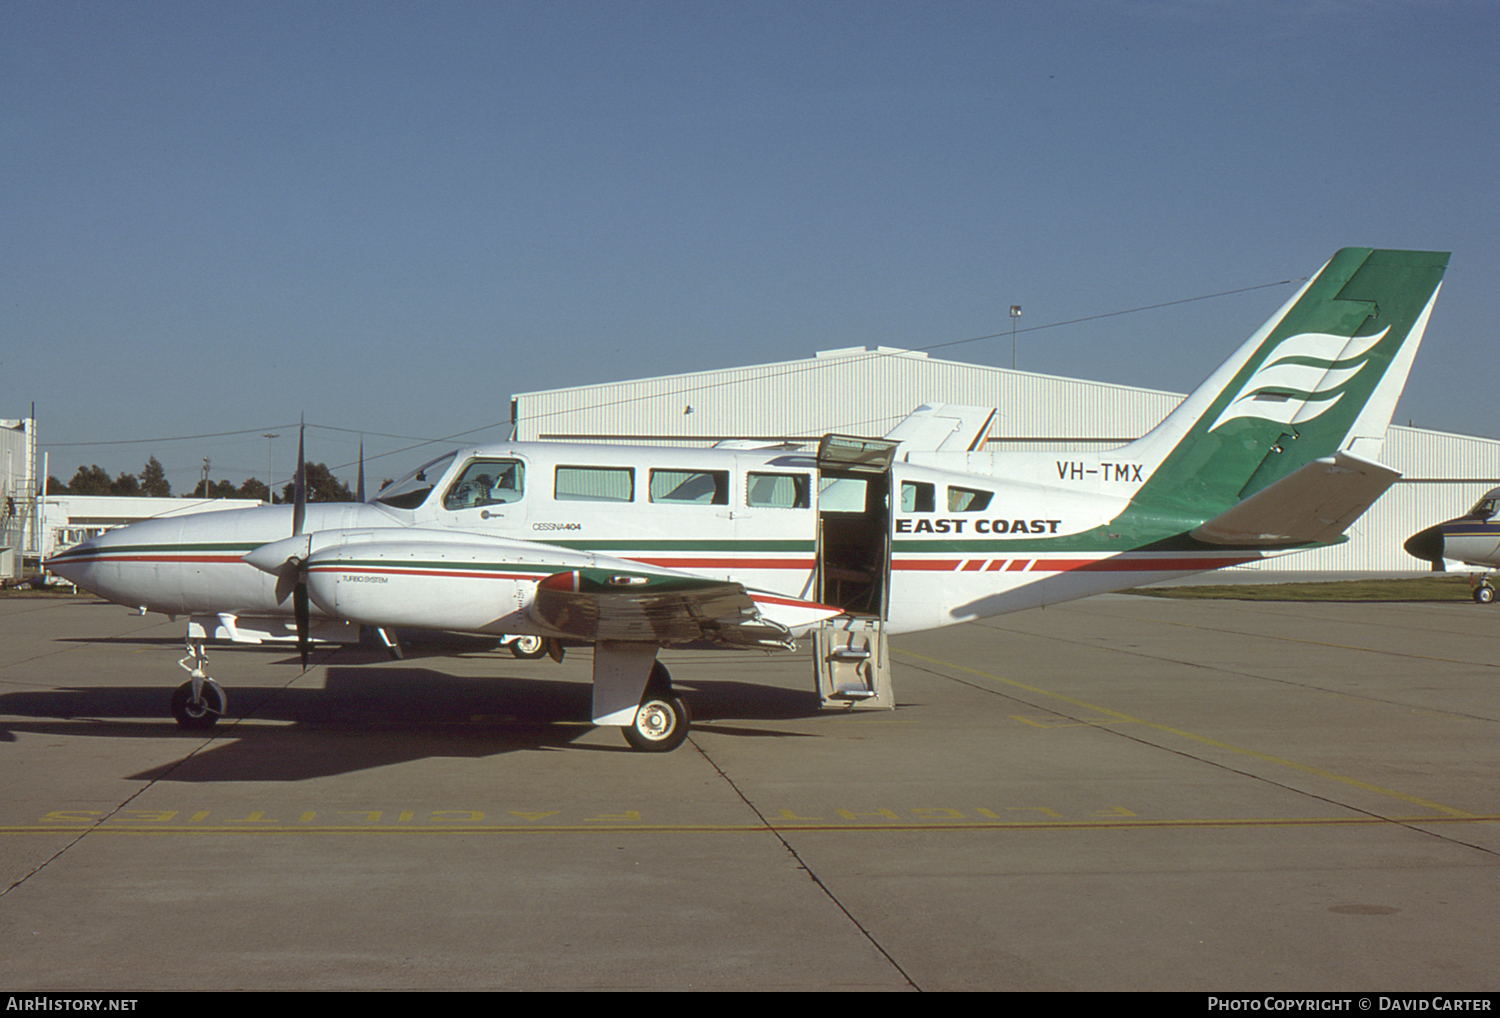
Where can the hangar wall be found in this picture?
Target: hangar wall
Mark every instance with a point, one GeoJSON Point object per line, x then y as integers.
{"type": "Point", "coordinates": [866, 392]}
{"type": "Point", "coordinates": [855, 391]}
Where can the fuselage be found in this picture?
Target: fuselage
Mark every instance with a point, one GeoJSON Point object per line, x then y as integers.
{"type": "Point", "coordinates": [920, 544]}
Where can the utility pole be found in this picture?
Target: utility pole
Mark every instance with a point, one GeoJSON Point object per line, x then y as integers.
{"type": "Point", "coordinates": [271, 497]}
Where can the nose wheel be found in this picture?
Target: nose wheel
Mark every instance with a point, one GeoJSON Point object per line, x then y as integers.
{"type": "Point", "coordinates": [198, 709]}
{"type": "Point", "coordinates": [200, 701]}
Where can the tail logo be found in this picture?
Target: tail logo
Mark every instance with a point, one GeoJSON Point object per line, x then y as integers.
{"type": "Point", "coordinates": [1303, 379]}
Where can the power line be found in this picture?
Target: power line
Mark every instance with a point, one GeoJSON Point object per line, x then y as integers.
{"type": "Point", "coordinates": [419, 442]}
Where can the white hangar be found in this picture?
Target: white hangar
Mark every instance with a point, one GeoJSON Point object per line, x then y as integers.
{"type": "Point", "coordinates": [866, 392]}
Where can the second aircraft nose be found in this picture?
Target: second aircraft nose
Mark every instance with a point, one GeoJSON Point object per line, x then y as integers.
{"type": "Point", "coordinates": [1427, 545]}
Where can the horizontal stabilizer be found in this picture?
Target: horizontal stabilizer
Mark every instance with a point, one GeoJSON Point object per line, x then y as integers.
{"type": "Point", "coordinates": [1313, 505]}
{"type": "Point", "coordinates": [943, 427]}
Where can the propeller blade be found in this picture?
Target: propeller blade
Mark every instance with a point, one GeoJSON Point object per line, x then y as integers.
{"type": "Point", "coordinates": [359, 485]}
{"type": "Point", "coordinates": [299, 484]}
{"type": "Point", "coordinates": [299, 606]}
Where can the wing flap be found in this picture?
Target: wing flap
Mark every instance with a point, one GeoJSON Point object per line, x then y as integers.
{"type": "Point", "coordinates": [1312, 505]}
{"type": "Point", "coordinates": [599, 604]}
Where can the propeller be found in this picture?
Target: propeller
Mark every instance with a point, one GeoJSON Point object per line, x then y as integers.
{"type": "Point", "coordinates": [286, 559]}
{"type": "Point", "coordinates": [359, 485]}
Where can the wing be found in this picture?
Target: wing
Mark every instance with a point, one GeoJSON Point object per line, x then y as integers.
{"type": "Point", "coordinates": [636, 606]}
{"type": "Point", "coordinates": [471, 584]}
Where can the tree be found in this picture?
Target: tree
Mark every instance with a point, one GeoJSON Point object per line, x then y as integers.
{"type": "Point", "coordinates": [126, 485]}
{"type": "Point", "coordinates": [91, 480]}
{"type": "Point", "coordinates": [322, 486]}
{"type": "Point", "coordinates": [216, 489]}
{"type": "Point", "coordinates": [154, 480]}
{"type": "Point", "coordinates": [253, 488]}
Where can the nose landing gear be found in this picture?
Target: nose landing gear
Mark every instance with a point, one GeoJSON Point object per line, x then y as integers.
{"type": "Point", "coordinates": [198, 703]}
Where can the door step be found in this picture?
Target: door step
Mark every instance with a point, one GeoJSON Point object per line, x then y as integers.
{"type": "Point", "coordinates": [851, 664]}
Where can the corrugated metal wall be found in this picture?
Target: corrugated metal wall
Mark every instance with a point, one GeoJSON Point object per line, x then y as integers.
{"type": "Point", "coordinates": [867, 392]}
{"type": "Point", "coordinates": [853, 391]}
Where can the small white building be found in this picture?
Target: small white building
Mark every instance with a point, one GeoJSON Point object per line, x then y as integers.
{"type": "Point", "coordinates": [18, 486]}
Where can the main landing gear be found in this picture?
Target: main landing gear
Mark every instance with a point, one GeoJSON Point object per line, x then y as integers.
{"type": "Point", "coordinates": [200, 702]}
{"type": "Point", "coordinates": [658, 723]}
{"type": "Point", "coordinates": [662, 720]}
{"type": "Point", "coordinates": [527, 648]}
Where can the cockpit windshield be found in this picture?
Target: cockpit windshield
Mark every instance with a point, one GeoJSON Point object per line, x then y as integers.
{"type": "Point", "coordinates": [1486, 506]}
{"type": "Point", "coordinates": [413, 489]}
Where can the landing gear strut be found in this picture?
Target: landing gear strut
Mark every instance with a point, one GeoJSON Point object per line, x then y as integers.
{"type": "Point", "coordinates": [199, 702]}
{"type": "Point", "coordinates": [662, 720]}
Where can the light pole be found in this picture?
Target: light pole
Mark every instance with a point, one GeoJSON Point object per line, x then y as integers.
{"type": "Point", "coordinates": [270, 491]}
{"type": "Point", "coordinates": [1015, 312]}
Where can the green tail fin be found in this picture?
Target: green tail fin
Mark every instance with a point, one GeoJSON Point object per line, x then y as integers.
{"type": "Point", "coordinates": [1321, 376]}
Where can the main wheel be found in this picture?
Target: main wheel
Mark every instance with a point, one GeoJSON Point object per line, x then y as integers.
{"type": "Point", "coordinates": [660, 725]}
{"type": "Point", "coordinates": [1484, 594]}
{"type": "Point", "coordinates": [528, 648]}
{"type": "Point", "coordinates": [203, 712]}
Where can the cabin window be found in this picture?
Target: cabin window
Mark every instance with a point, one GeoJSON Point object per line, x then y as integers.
{"type": "Point", "coordinates": [413, 489]}
{"type": "Point", "coordinates": [486, 482]}
{"type": "Point", "coordinates": [777, 491]}
{"type": "Point", "coordinates": [595, 484]}
{"type": "Point", "coordinates": [918, 497]}
{"type": "Point", "coordinates": [968, 500]}
{"type": "Point", "coordinates": [704, 487]}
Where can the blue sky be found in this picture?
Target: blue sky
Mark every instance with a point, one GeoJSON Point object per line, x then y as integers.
{"type": "Point", "coordinates": [390, 217]}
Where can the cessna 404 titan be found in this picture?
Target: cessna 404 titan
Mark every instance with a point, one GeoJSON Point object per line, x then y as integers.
{"type": "Point", "coordinates": [636, 549]}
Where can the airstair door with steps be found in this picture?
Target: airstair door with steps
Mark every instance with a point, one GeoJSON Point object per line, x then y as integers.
{"type": "Point", "coordinates": [851, 664]}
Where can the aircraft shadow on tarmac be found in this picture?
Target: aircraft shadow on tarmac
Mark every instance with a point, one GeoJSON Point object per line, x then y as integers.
{"type": "Point", "coordinates": [364, 717]}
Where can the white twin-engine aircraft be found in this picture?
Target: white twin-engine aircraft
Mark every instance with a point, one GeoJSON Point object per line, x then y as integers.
{"type": "Point", "coordinates": [635, 549]}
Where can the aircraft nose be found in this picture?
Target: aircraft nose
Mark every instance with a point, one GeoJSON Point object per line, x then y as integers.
{"type": "Point", "coordinates": [72, 563]}
{"type": "Point", "coordinates": [1427, 545]}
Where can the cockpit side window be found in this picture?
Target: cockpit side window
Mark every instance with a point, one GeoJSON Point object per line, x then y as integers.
{"type": "Point", "coordinates": [413, 489]}
{"type": "Point", "coordinates": [1485, 507]}
{"type": "Point", "coordinates": [487, 482]}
